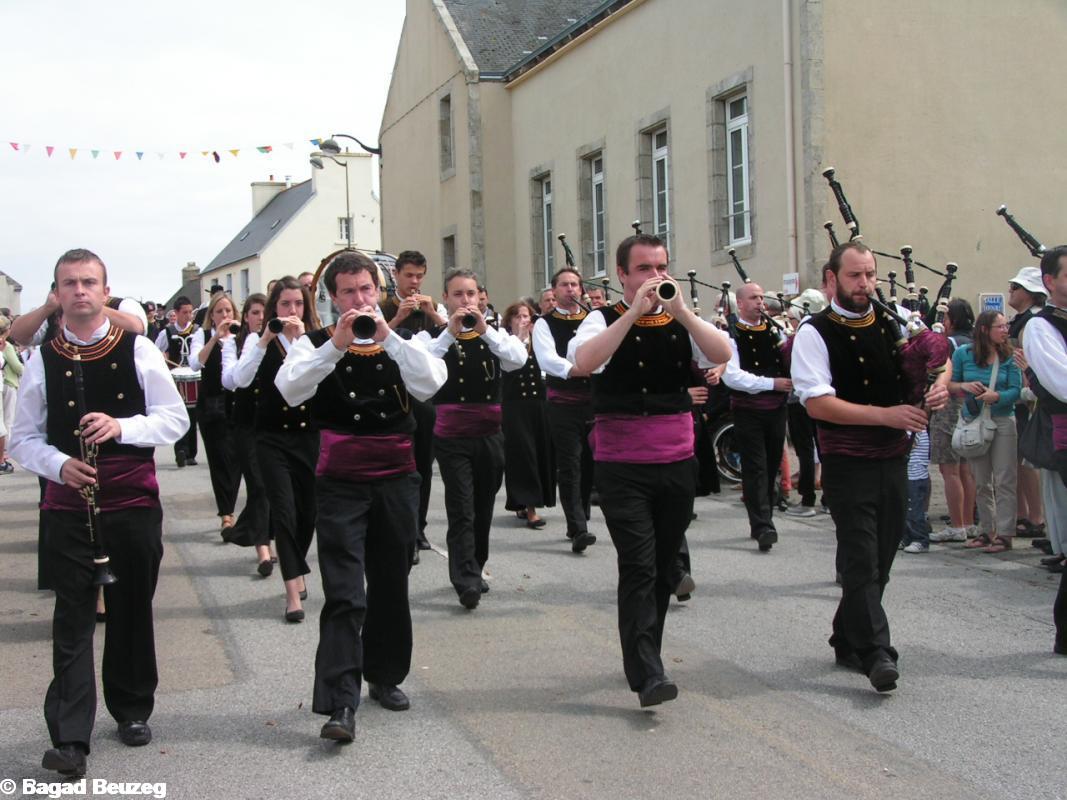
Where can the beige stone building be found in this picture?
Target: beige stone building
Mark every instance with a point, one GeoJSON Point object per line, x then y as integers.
{"type": "Point", "coordinates": [293, 226]}
{"type": "Point", "coordinates": [10, 294]}
{"type": "Point", "coordinates": [711, 121]}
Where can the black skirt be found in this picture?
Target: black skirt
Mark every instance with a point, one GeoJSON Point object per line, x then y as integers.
{"type": "Point", "coordinates": [529, 462]}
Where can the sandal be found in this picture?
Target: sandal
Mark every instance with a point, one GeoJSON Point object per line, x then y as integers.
{"type": "Point", "coordinates": [998, 545]}
{"type": "Point", "coordinates": [1022, 526]}
{"type": "Point", "coordinates": [1036, 531]}
{"type": "Point", "coordinates": [981, 540]}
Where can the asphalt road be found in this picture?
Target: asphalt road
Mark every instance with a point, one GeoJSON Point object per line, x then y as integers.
{"type": "Point", "coordinates": [525, 697]}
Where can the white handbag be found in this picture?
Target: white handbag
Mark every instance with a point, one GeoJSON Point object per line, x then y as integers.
{"type": "Point", "coordinates": [972, 438]}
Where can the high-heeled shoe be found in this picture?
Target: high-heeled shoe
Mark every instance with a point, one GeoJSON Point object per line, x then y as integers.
{"type": "Point", "coordinates": [295, 615]}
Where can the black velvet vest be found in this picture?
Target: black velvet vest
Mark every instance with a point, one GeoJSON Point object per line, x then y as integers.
{"type": "Point", "coordinates": [211, 371]}
{"type": "Point", "coordinates": [273, 413]}
{"type": "Point", "coordinates": [416, 322]}
{"type": "Point", "coordinates": [649, 373]}
{"type": "Point", "coordinates": [364, 395]}
{"type": "Point", "coordinates": [111, 387]}
{"type": "Point", "coordinates": [563, 327]}
{"type": "Point", "coordinates": [473, 372]}
{"type": "Point", "coordinates": [526, 384]}
{"type": "Point", "coordinates": [174, 343]}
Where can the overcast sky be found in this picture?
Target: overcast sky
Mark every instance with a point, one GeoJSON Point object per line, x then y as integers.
{"type": "Point", "coordinates": [119, 75]}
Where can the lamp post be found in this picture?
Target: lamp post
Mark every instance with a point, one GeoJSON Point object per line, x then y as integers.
{"type": "Point", "coordinates": [316, 162]}
{"type": "Point", "coordinates": [332, 148]}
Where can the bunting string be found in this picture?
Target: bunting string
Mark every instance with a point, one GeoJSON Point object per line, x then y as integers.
{"type": "Point", "coordinates": [24, 149]}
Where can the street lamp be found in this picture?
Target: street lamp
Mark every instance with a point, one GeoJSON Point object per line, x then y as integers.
{"type": "Point", "coordinates": [317, 163]}
{"type": "Point", "coordinates": [332, 148]}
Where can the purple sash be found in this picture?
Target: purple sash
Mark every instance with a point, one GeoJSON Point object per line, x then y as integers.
{"type": "Point", "coordinates": [124, 482]}
{"type": "Point", "coordinates": [863, 441]}
{"type": "Point", "coordinates": [569, 397]}
{"type": "Point", "coordinates": [364, 458]}
{"type": "Point", "coordinates": [639, 439]}
{"type": "Point", "coordinates": [464, 420]}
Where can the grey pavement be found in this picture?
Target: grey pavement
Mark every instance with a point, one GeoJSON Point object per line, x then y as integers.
{"type": "Point", "coordinates": [525, 696]}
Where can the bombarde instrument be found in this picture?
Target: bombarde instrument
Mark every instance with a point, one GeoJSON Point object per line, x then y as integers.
{"type": "Point", "coordinates": [693, 295]}
{"type": "Point", "coordinates": [1029, 241]}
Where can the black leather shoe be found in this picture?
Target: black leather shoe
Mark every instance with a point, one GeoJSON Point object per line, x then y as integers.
{"type": "Point", "coordinates": [265, 568]}
{"type": "Point", "coordinates": [134, 733]}
{"type": "Point", "coordinates": [883, 673]}
{"type": "Point", "coordinates": [684, 590]}
{"type": "Point", "coordinates": [484, 587]}
{"type": "Point", "coordinates": [422, 543]}
{"type": "Point", "coordinates": [190, 462]}
{"type": "Point", "coordinates": [581, 541]}
{"type": "Point", "coordinates": [341, 726]}
{"type": "Point", "coordinates": [296, 615]}
{"type": "Point", "coordinates": [67, 759]}
{"type": "Point", "coordinates": [389, 696]}
{"type": "Point", "coordinates": [766, 540]}
{"type": "Point", "coordinates": [656, 690]}
{"type": "Point", "coordinates": [470, 597]}
{"type": "Point", "coordinates": [179, 459]}
{"type": "Point", "coordinates": [1057, 568]}
{"type": "Point", "coordinates": [415, 557]}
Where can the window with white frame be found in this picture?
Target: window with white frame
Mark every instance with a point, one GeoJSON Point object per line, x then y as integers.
{"type": "Point", "coordinates": [245, 285]}
{"type": "Point", "coordinates": [448, 254]}
{"type": "Point", "coordinates": [344, 225]}
{"type": "Point", "coordinates": [739, 211]}
{"type": "Point", "coordinates": [599, 249]}
{"type": "Point", "coordinates": [660, 187]}
{"type": "Point", "coordinates": [229, 283]}
{"type": "Point", "coordinates": [546, 229]}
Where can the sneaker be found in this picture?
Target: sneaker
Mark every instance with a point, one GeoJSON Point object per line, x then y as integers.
{"type": "Point", "coordinates": [949, 534]}
{"type": "Point", "coordinates": [972, 531]}
{"type": "Point", "coordinates": [916, 547]}
{"type": "Point", "coordinates": [7, 468]}
{"type": "Point", "coordinates": [800, 511]}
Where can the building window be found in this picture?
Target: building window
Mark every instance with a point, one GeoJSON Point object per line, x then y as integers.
{"type": "Point", "coordinates": [660, 184]}
{"type": "Point", "coordinates": [547, 241]}
{"type": "Point", "coordinates": [229, 283]}
{"type": "Point", "coordinates": [448, 253]}
{"type": "Point", "coordinates": [596, 169]}
{"type": "Point", "coordinates": [445, 123]}
{"type": "Point", "coordinates": [344, 225]}
{"type": "Point", "coordinates": [245, 285]}
{"type": "Point", "coordinates": [737, 168]}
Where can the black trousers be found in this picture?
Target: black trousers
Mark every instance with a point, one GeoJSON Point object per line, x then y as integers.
{"type": "Point", "coordinates": [1059, 613]}
{"type": "Point", "coordinates": [366, 532]}
{"type": "Point", "coordinates": [425, 415]}
{"type": "Point", "coordinates": [569, 424]}
{"type": "Point", "coordinates": [472, 471]}
{"type": "Point", "coordinates": [253, 524]}
{"type": "Point", "coordinates": [802, 433]}
{"type": "Point", "coordinates": [134, 540]}
{"type": "Point", "coordinates": [760, 438]}
{"type": "Point", "coordinates": [647, 509]}
{"type": "Point", "coordinates": [287, 464]}
{"type": "Point", "coordinates": [221, 461]}
{"type": "Point", "coordinates": [868, 502]}
{"type": "Point", "coordinates": [187, 444]}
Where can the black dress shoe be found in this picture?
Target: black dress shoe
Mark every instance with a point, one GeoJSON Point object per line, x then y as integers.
{"type": "Point", "coordinates": [470, 597]}
{"type": "Point", "coordinates": [341, 726]}
{"type": "Point", "coordinates": [415, 557]}
{"type": "Point", "coordinates": [1050, 560]}
{"type": "Point", "coordinates": [684, 590]}
{"type": "Point", "coordinates": [883, 673]}
{"type": "Point", "coordinates": [179, 459]}
{"type": "Point", "coordinates": [67, 759]}
{"type": "Point", "coordinates": [848, 660]}
{"type": "Point", "coordinates": [304, 592]}
{"type": "Point", "coordinates": [134, 733]}
{"type": "Point", "coordinates": [389, 696]}
{"type": "Point", "coordinates": [422, 543]}
{"type": "Point", "coordinates": [190, 462]}
{"type": "Point", "coordinates": [1057, 568]}
{"type": "Point", "coordinates": [484, 587]}
{"type": "Point", "coordinates": [1060, 648]}
{"type": "Point", "coordinates": [581, 541]}
{"type": "Point", "coordinates": [656, 690]}
{"type": "Point", "coordinates": [766, 540]}
{"type": "Point", "coordinates": [265, 568]}
{"type": "Point", "coordinates": [296, 615]}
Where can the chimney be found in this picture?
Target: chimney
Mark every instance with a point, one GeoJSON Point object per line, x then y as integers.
{"type": "Point", "coordinates": [190, 273]}
{"type": "Point", "coordinates": [265, 191]}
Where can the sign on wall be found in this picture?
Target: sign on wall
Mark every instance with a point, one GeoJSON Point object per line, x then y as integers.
{"type": "Point", "coordinates": [991, 301]}
{"type": "Point", "coordinates": [791, 284]}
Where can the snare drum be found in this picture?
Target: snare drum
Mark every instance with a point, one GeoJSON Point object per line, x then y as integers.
{"type": "Point", "coordinates": [188, 383]}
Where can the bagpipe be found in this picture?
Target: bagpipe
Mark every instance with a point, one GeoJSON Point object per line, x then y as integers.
{"type": "Point", "coordinates": [1032, 244]}
{"type": "Point", "coordinates": [922, 348]}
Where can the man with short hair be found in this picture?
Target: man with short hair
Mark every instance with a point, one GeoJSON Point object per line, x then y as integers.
{"type": "Point", "coordinates": [758, 378]}
{"type": "Point", "coordinates": [547, 301]}
{"type": "Point", "coordinates": [366, 488]}
{"type": "Point", "coordinates": [1046, 355]}
{"type": "Point", "coordinates": [306, 279]}
{"type": "Point", "coordinates": [847, 373]}
{"type": "Point", "coordinates": [639, 352]}
{"type": "Point", "coordinates": [468, 443]}
{"type": "Point", "coordinates": [93, 405]}
{"type": "Point", "coordinates": [173, 341]}
{"type": "Point", "coordinates": [407, 309]}
{"type": "Point", "coordinates": [596, 295]}
{"type": "Point", "coordinates": [570, 410]}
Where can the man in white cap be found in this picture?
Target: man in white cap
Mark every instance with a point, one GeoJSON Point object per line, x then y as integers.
{"type": "Point", "coordinates": [1026, 295]}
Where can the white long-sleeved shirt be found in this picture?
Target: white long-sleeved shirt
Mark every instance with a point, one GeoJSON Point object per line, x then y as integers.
{"type": "Point", "coordinates": [241, 374]}
{"type": "Point", "coordinates": [595, 324]}
{"type": "Point", "coordinates": [306, 366]}
{"type": "Point", "coordinates": [164, 422]}
{"type": "Point", "coordinates": [544, 346]}
{"type": "Point", "coordinates": [506, 347]}
{"type": "Point", "coordinates": [1045, 353]}
{"type": "Point", "coordinates": [196, 344]}
{"type": "Point", "coordinates": [811, 361]}
{"type": "Point", "coordinates": [742, 380]}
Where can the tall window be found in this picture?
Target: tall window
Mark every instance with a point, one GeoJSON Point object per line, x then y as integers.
{"type": "Point", "coordinates": [448, 253]}
{"type": "Point", "coordinates": [445, 124]}
{"type": "Point", "coordinates": [344, 225]}
{"type": "Point", "coordinates": [229, 283]}
{"type": "Point", "coordinates": [599, 249]}
{"type": "Point", "coordinates": [660, 188]}
{"type": "Point", "coordinates": [546, 229]}
{"type": "Point", "coordinates": [740, 213]}
{"type": "Point", "coordinates": [245, 285]}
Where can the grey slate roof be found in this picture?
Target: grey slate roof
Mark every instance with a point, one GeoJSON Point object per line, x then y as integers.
{"type": "Point", "coordinates": [497, 32]}
{"type": "Point", "coordinates": [257, 234]}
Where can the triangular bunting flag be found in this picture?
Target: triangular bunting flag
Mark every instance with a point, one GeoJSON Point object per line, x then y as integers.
{"type": "Point", "coordinates": [95, 153]}
{"type": "Point", "coordinates": [140, 154]}
{"type": "Point", "coordinates": [48, 148]}
{"type": "Point", "coordinates": [118, 154]}
{"type": "Point", "coordinates": [215, 155]}
{"type": "Point", "coordinates": [14, 145]}
{"type": "Point", "coordinates": [182, 155]}
{"type": "Point", "coordinates": [265, 149]}
{"type": "Point", "coordinates": [73, 152]}
{"type": "Point", "coordinates": [289, 145]}
{"type": "Point", "coordinates": [234, 153]}
{"type": "Point", "coordinates": [315, 142]}
{"type": "Point", "coordinates": [205, 153]}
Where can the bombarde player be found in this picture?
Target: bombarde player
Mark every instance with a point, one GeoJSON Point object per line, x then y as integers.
{"type": "Point", "coordinates": [847, 373]}
{"type": "Point", "coordinates": [639, 352]}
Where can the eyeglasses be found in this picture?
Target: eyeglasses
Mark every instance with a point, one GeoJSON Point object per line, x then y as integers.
{"type": "Point", "coordinates": [1014, 286]}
